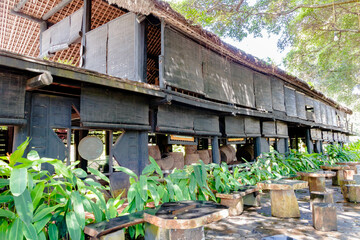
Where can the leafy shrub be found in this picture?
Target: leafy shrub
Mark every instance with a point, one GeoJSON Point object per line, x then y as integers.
{"type": "Point", "coordinates": [37, 205]}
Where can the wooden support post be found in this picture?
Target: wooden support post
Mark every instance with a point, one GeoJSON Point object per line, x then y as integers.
{"type": "Point", "coordinates": [215, 150]}
{"type": "Point", "coordinates": [308, 141]}
{"type": "Point", "coordinates": [284, 203]}
{"type": "Point", "coordinates": [86, 27]}
{"type": "Point", "coordinates": [257, 147]}
{"type": "Point", "coordinates": [111, 154]}
{"type": "Point", "coordinates": [39, 81]}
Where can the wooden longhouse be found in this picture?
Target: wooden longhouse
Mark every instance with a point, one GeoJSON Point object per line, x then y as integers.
{"type": "Point", "coordinates": [144, 80]}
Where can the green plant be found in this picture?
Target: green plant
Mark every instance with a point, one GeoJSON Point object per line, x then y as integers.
{"type": "Point", "coordinates": [222, 180]}
{"type": "Point", "coordinates": [37, 205]}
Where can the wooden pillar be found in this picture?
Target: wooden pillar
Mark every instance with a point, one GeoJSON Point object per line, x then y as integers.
{"type": "Point", "coordinates": [308, 141]}
{"type": "Point", "coordinates": [86, 26]}
{"type": "Point", "coordinates": [77, 138]}
{"type": "Point", "coordinates": [257, 147]}
{"type": "Point", "coordinates": [215, 150]}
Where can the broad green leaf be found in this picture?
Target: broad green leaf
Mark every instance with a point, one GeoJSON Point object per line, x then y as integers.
{"type": "Point", "coordinates": [78, 208]}
{"type": "Point", "coordinates": [97, 212]}
{"type": "Point", "coordinates": [148, 169]}
{"type": "Point", "coordinates": [111, 208]}
{"type": "Point", "coordinates": [4, 182]}
{"type": "Point", "coordinates": [30, 231]}
{"type": "Point", "coordinates": [154, 193]}
{"type": "Point", "coordinates": [42, 212]}
{"type": "Point", "coordinates": [4, 230]}
{"type": "Point", "coordinates": [91, 182]}
{"type": "Point", "coordinates": [131, 192]}
{"type": "Point", "coordinates": [198, 175]}
{"type": "Point", "coordinates": [142, 187]}
{"type": "Point", "coordinates": [33, 155]}
{"type": "Point", "coordinates": [37, 193]}
{"type": "Point", "coordinates": [101, 200]}
{"type": "Point", "coordinates": [42, 236]}
{"type": "Point", "coordinates": [99, 174]}
{"type": "Point", "coordinates": [16, 230]}
{"type": "Point", "coordinates": [6, 199]}
{"type": "Point", "coordinates": [86, 204]}
{"type": "Point", "coordinates": [30, 183]}
{"type": "Point", "coordinates": [156, 166]}
{"type": "Point", "coordinates": [24, 206]}
{"type": "Point", "coordinates": [7, 214]}
{"type": "Point", "coordinates": [178, 193]}
{"type": "Point", "coordinates": [127, 171]}
{"type": "Point", "coordinates": [53, 232]}
{"type": "Point", "coordinates": [18, 181]}
{"type": "Point", "coordinates": [39, 225]}
{"type": "Point", "coordinates": [79, 173]}
{"type": "Point", "coordinates": [140, 204]}
{"type": "Point", "coordinates": [72, 226]}
{"type": "Point", "coordinates": [15, 156]}
{"type": "Point", "coordinates": [61, 168]}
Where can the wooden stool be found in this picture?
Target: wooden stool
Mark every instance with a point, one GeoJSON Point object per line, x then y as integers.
{"type": "Point", "coordinates": [342, 186]}
{"type": "Point", "coordinates": [352, 192]}
{"type": "Point", "coordinates": [324, 217]}
{"type": "Point", "coordinates": [283, 199]}
{"type": "Point", "coordinates": [320, 197]}
{"type": "Point", "coordinates": [356, 178]}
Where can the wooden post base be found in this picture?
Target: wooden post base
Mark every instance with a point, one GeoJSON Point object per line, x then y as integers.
{"type": "Point", "coordinates": [284, 203]}
{"type": "Point", "coordinates": [153, 232]}
{"type": "Point", "coordinates": [236, 206]}
{"type": "Point", "coordinates": [336, 180]}
{"type": "Point", "coordinates": [316, 184]}
{"type": "Point", "coordinates": [320, 197]}
{"type": "Point", "coordinates": [324, 217]}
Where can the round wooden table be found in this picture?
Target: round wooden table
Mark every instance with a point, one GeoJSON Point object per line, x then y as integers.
{"type": "Point", "coordinates": [316, 180]}
{"type": "Point", "coordinates": [339, 170]}
{"type": "Point", "coordinates": [283, 199]}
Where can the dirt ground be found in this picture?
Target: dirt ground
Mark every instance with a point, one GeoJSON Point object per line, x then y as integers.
{"type": "Point", "coordinates": [256, 223]}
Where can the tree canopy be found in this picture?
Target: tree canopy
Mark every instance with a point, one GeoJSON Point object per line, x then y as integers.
{"type": "Point", "coordinates": [324, 35]}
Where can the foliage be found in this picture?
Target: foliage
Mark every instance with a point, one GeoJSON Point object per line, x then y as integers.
{"type": "Point", "coordinates": [38, 205]}
{"type": "Point", "coordinates": [323, 35]}
{"type": "Point", "coordinates": [338, 153]}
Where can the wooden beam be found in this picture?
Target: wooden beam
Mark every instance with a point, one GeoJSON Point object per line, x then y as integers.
{"type": "Point", "coordinates": [20, 4]}
{"type": "Point", "coordinates": [23, 15]}
{"type": "Point", "coordinates": [39, 81]}
{"type": "Point", "coordinates": [55, 9]}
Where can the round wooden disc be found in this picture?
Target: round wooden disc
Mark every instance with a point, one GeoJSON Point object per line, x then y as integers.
{"type": "Point", "coordinates": [90, 148]}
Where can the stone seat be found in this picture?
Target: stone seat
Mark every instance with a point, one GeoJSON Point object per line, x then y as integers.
{"type": "Point", "coordinates": [247, 195]}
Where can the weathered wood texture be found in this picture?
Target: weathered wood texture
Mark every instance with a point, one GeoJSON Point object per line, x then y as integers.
{"type": "Point", "coordinates": [126, 48]}
{"type": "Point", "coordinates": [282, 129]}
{"type": "Point", "coordinates": [243, 85]}
{"type": "Point", "coordinates": [131, 151]}
{"type": "Point", "coordinates": [235, 126]}
{"type": "Point", "coordinates": [96, 49]}
{"type": "Point", "coordinates": [300, 105]}
{"type": "Point", "coordinates": [12, 96]}
{"type": "Point", "coordinates": [183, 120]}
{"type": "Point", "coordinates": [317, 111]}
{"type": "Point", "coordinates": [102, 105]}
{"type": "Point", "coordinates": [183, 62]}
{"type": "Point", "coordinates": [278, 95]}
{"type": "Point", "coordinates": [269, 129]}
{"type": "Point", "coordinates": [290, 102]}
{"type": "Point", "coordinates": [252, 127]}
{"type": "Point", "coordinates": [117, 48]}
{"type": "Point", "coordinates": [262, 92]}
{"type": "Point", "coordinates": [217, 77]}
{"type": "Point", "coordinates": [47, 113]}
{"type": "Point", "coordinates": [62, 34]}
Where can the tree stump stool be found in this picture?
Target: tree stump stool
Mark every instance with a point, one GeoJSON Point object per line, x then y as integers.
{"type": "Point", "coordinates": [339, 173]}
{"type": "Point", "coordinates": [316, 180]}
{"type": "Point", "coordinates": [320, 197]}
{"type": "Point", "coordinates": [352, 165]}
{"type": "Point", "coordinates": [352, 193]}
{"type": "Point", "coordinates": [342, 186]}
{"type": "Point", "coordinates": [283, 199]}
{"type": "Point", "coordinates": [324, 217]}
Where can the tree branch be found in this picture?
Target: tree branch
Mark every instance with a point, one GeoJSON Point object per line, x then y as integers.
{"type": "Point", "coordinates": [325, 5]}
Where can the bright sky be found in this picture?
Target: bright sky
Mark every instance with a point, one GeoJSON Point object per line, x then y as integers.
{"type": "Point", "coordinates": [261, 47]}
